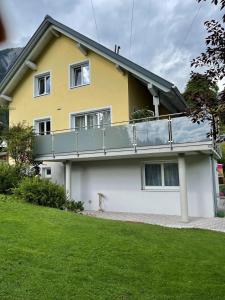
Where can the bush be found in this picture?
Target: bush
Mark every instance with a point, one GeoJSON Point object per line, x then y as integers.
{"type": "Point", "coordinates": [142, 114]}
{"type": "Point", "coordinates": [220, 214]}
{"type": "Point", "coordinates": [10, 176]}
{"type": "Point", "coordinates": [42, 192]}
{"type": "Point", "coordinates": [74, 206]}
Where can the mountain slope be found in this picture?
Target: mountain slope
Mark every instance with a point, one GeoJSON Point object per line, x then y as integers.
{"type": "Point", "coordinates": [7, 57]}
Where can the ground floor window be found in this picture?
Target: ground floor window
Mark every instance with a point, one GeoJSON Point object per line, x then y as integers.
{"type": "Point", "coordinates": [47, 172]}
{"type": "Point", "coordinates": [161, 174]}
{"type": "Point", "coordinates": [92, 119]}
{"type": "Point", "coordinates": [43, 127]}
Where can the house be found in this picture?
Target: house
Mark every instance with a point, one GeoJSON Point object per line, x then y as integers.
{"type": "Point", "coordinates": [80, 96]}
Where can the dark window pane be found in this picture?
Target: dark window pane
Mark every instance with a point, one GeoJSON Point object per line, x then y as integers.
{"type": "Point", "coordinates": [48, 171]}
{"type": "Point", "coordinates": [48, 127]}
{"type": "Point", "coordinates": [171, 174]}
{"type": "Point", "coordinates": [77, 76]}
{"type": "Point", "coordinates": [48, 84]}
{"type": "Point", "coordinates": [41, 86]}
{"type": "Point", "coordinates": [153, 175]}
{"type": "Point", "coordinates": [80, 122]}
{"type": "Point", "coordinates": [41, 128]}
{"type": "Point", "coordinates": [92, 120]}
{"type": "Point", "coordinates": [106, 117]}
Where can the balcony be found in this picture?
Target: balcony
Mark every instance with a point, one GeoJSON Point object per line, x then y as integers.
{"type": "Point", "coordinates": [163, 135]}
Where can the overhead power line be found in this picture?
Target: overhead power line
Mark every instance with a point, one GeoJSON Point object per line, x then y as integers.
{"type": "Point", "coordinates": [131, 28]}
{"type": "Point", "coordinates": [192, 23]}
{"type": "Point", "coordinates": [96, 27]}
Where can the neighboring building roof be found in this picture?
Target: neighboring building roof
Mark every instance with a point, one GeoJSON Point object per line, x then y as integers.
{"type": "Point", "coordinates": [41, 37]}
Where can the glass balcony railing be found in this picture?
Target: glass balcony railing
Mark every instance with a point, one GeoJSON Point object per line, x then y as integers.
{"type": "Point", "coordinates": [171, 131]}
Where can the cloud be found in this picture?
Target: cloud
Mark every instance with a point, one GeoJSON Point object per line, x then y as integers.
{"type": "Point", "coordinates": [167, 34]}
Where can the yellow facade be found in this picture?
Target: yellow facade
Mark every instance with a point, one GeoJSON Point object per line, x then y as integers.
{"type": "Point", "coordinates": [139, 95]}
{"type": "Point", "coordinates": [108, 88]}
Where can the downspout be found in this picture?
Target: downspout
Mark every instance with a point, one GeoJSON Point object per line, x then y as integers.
{"type": "Point", "coordinates": [214, 185]}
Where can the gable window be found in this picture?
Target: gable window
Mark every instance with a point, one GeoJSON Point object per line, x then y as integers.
{"type": "Point", "coordinates": [95, 119]}
{"type": "Point", "coordinates": [161, 175]}
{"type": "Point", "coordinates": [43, 127]}
{"type": "Point", "coordinates": [79, 74]}
{"type": "Point", "coordinates": [42, 84]}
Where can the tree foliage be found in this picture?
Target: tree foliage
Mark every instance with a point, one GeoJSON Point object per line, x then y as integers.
{"type": "Point", "coordinates": [201, 91]}
{"type": "Point", "coordinates": [142, 113]}
{"type": "Point", "coordinates": [3, 123]}
{"type": "Point", "coordinates": [20, 143]}
{"type": "Point", "coordinates": [204, 102]}
{"type": "Point", "coordinates": [213, 59]}
{"type": "Point", "coordinates": [222, 160]}
{"type": "Point", "coordinates": [216, 2]}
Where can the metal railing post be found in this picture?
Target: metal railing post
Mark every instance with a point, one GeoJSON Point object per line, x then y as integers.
{"type": "Point", "coordinates": [170, 133]}
{"type": "Point", "coordinates": [77, 141]}
{"type": "Point", "coordinates": [103, 140]}
{"type": "Point", "coordinates": [53, 148]}
{"type": "Point", "coordinates": [134, 137]}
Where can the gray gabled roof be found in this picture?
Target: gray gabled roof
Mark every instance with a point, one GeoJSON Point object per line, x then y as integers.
{"type": "Point", "coordinates": [89, 43]}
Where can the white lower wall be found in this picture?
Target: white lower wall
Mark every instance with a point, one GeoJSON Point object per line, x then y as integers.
{"type": "Point", "coordinates": [200, 186]}
{"type": "Point", "coordinates": [120, 183]}
{"type": "Point", "coordinates": [57, 169]}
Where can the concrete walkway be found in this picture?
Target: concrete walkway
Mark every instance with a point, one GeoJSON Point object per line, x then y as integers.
{"type": "Point", "coordinates": [216, 224]}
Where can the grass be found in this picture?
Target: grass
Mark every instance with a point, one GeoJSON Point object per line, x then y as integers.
{"type": "Point", "coordinates": [51, 254]}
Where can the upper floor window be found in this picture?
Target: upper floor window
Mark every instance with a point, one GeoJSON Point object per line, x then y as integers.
{"type": "Point", "coordinates": [43, 127]}
{"type": "Point", "coordinates": [161, 175]}
{"type": "Point", "coordinates": [79, 74]}
{"type": "Point", "coordinates": [95, 119]}
{"type": "Point", "coordinates": [42, 84]}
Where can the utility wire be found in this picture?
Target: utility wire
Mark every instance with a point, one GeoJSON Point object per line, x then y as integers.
{"type": "Point", "coordinates": [96, 27]}
{"type": "Point", "coordinates": [131, 28]}
{"type": "Point", "coordinates": [192, 23]}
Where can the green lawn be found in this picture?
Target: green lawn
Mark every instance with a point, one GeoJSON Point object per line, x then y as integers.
{"type": "Point", "coordinates": [50, 254]}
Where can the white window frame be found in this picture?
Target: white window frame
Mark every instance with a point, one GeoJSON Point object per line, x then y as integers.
{"type": "Point", "coordinates": [44, 172]}
{"type": "Point", "coordinates": [71, 74]}
{"type": "Point", "coordinates": [163, 186]}
{"type": "Point", "coordinates": [36, 124]}
{"type": "Point", "coordinates": [85, 113]}
{"type": "Point", "coordinates": [36, 82]}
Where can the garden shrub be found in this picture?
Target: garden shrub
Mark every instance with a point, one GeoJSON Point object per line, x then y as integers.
{"type": "Point", "coordinates": [10, 176]}
{"type": "Point", "coordinates": [42, 192]}
{"type": "Point", "coordinates": [220, 214]}
{"type": "Point", "coordinates": [74, 206]}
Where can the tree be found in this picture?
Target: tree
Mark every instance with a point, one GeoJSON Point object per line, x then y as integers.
{"type": "Point", "coordinates": [222, 160]}
{"type": "Point", "coordinates": [220, 2]}
{"type": "Point", "coordinates": [20, 143]}
{"type": "Point", "coordinates": [208, 105]}
{"type": "Point", "coordinates": [3, 123]}
{"type": "Point", "coordinates": [204, 102]}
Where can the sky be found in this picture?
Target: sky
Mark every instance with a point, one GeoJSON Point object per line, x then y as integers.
{"type": "Point", "coordinates": [165, 35]}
